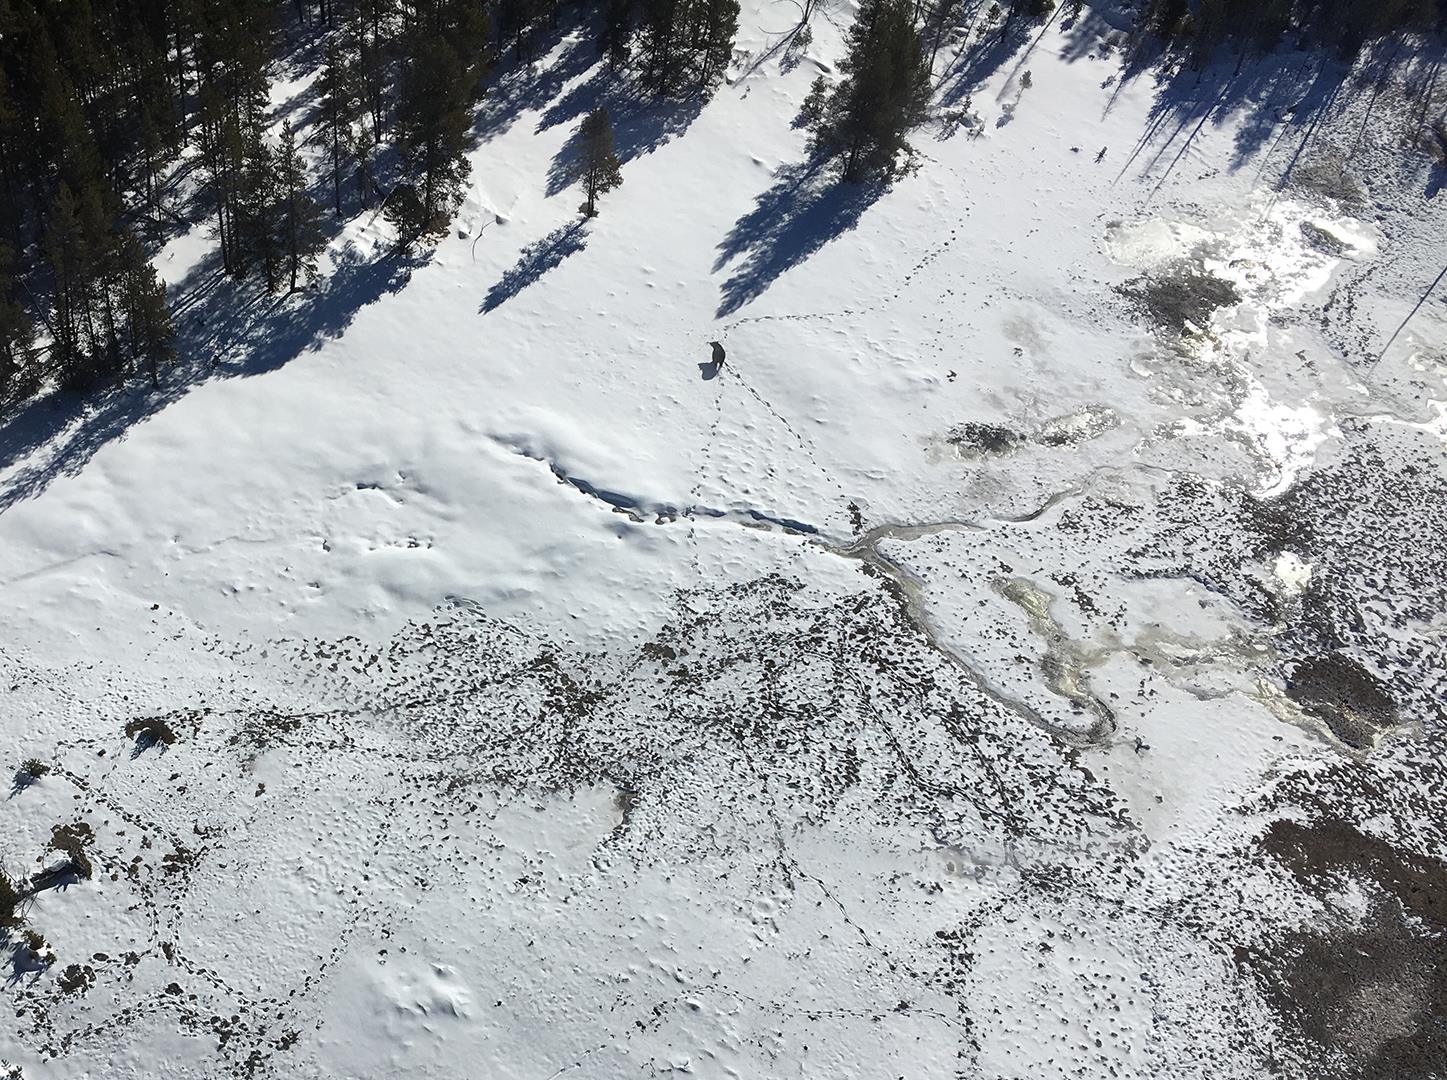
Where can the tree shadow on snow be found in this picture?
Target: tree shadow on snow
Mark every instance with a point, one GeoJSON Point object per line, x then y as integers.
{"type": "Point", "coordinates": [1280, 102]}
{"type": "Point", "coordinates": [224, 329]}
{"type": "Point", "coordinates": [522, 85]}
{"type": "Point", "coordinates": [642, 122]}
{"type": "Point", "coordinates": [969, 69]}
{"type": "Point", "coordinates": [566, 167]}
{"type": "Point", "coordinates": [806, 207]}
{"type": "Point", "coordinates": [1268, 97]}
{"type": "Point", "coordinates": [536, 260]}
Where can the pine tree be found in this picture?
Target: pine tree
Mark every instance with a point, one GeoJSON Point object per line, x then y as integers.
{"type": "Point", "coordinates": [360, 145]}
{"type": "Point", "coordinates": [404, 209]}
{"type": "Point", "coordinates": [301, 231]}
{"type": "Point", "coordinates": [214, 137]}
{"type": "Point", "coordinates": [600, 166]}
{"type": "Point", "coordinates": [616, 31]}
{"type": "Point", "coordinates": [16, 333]}
{"type": "Point", "coordinates": [65, 138]}
{"type": "Point", "coordinates": [369, 31]}
{"type": "Point", "coordinates": [885, 92]}
{"type": "Point", "coordinates": [516, 22]}
{"type": "Point", "coordinates": [712, 26]}
{"type": "Point", "coordinates": [439, 79]}
{"type": "Point", "coordinates": [233, 44]}
{"type": "Point", "coordinates": [686, 44]}
{"type": "Point", "coordinates": [338, 110]}
{"type": "Point", "coordinates": [660, 46]}
{"type": "Point", "coordinates": [258, 202]}
{"type": "Point", "coordinates": [143, 297]}
{"type": "Point", "coordinates": [14, 151]}
{"type": "Point", "coordinates": [68, 258]}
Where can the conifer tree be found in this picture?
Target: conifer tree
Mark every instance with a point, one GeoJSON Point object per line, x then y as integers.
{"type": "Point", "coordinates": [143, 296]}
{"type": "Point", "coordinates": [432, 124]}
{"type": "Point", "coordinates": [711, 29]}
{"type": "Point", "coordinates": [517, 21]}
{"type": "Point", "coordinates": [659, 42]}
{"type": "Point", "coordinates": [403, 208]}
{"type": "Point", "coordinates": [338, 110]}
{"type": "Point", "coordinates": [65, 251]}
{"type": "Point", "coordinates": [444, 60]}
{"type": "Point", "coordinates": [615, 31]}
{"type": "Point", "coordinates": [369, 31]}
{"type": "Point", "coordinates": [686, 44]}
{"type": "Point", "coordinates": [258, 204]}
{"type": "Point", "coordinates": [360, 145]}
{"type": "Point", "coordinates": [16, 332]}
{"type": "Point", "coordinates": [13, 154]}
{"type": "Point", "coordinates": [600, 165]}
{"type": "Point", "coordinates": [299, 215]}
{"type": "Point", "coordinates": [80, 251]}
{"type": "Point", "coordinates": [885, 92]}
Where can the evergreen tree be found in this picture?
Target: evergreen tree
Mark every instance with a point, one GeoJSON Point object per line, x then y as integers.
{"type": "Point", "coordinates": [600, 166]}
{"type": "Point", "coordinates": [13, 155]}
{"type": "Point", "coordinates": [663, 64]}
{"type": "Point", "coordinates": [616, 32]}
{"type": "Point", "coordinates": [444, 61]}
{"type": "Point", "coordinates": [16, 332]}
{"type": "Point", "coordinates": [299, 216]}
{"type": "Point", "coordinates": [711, 29]}
{"type": "Point", "coordinates": [258, 203]}
{"type": "Point", "coordinates": [233, 44]}
{"type": "Point", "coordinates": [65, 138]}
{"type": "Point", "coordinates": [338, 110]}
{"type": "Point", "coordinates": [369, 34]}
{"type": "Point", "coordinates": [516, 22]}
{"type": "Point", "coordinates": [360, 145]}
{"type": "Point", "coordinates": [68, 256]}
{"type": "Point", "coordinates": [143, 297]}
{"type": "Point", "coordinates": [885, 92]}
{"type": "Point", "coordinates": [686, 44]}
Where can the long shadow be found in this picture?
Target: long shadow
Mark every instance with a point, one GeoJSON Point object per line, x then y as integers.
{"type": "Point", "coordinates": [566, 166]}
{"type": "Point", "coordinates": [642, 122]}
{"type": "Point", "coordinates": [806, 207]}
{"type": "Point", "coordinates": [227, 329]}
{"type": "Point", "coordinates": [1410, 315]}
{"type": "Point", "coordinates": [1087, 33]}
{"type": "Point", "coordinates": [1436, 180]}
{"type": "Point", "coordinates": [968, 71]}
{"type": "Point", "coordinates": [224, 329]}
{"type": "Point", "coordinates": [1267, 96]}
{"type": "Point", "coordinates": [536, 260]}
{"type": "Point", "coordinates": [517, 87]}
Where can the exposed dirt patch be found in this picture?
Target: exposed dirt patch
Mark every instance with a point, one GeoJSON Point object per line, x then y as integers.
{"type": "Point", "coordinates": [1180, 297]}
{"type": "Point", "coordinates": [977, 439]}
{"type": "Point", "coordinates": [1345, 696]}
{"type": "Point", "coordinates": [1370, 997]}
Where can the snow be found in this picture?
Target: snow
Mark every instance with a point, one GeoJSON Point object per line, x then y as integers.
{"type": "Point", "coordinates": [516, 442]}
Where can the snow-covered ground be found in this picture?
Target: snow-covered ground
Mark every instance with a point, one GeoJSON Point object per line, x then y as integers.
{"type": "Point", "coordinates": [931, 690]}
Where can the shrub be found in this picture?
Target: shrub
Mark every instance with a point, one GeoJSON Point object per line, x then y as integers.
{"type": "Point", "coordinates": [71, 841]}
{"type": "Point", "coordinates": [149, 730]}
{"type": "Point", "coordinates": [11, 899]}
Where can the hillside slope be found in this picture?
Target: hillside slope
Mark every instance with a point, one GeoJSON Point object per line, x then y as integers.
{"type": "Point", "coordinates": [1022, 657]}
